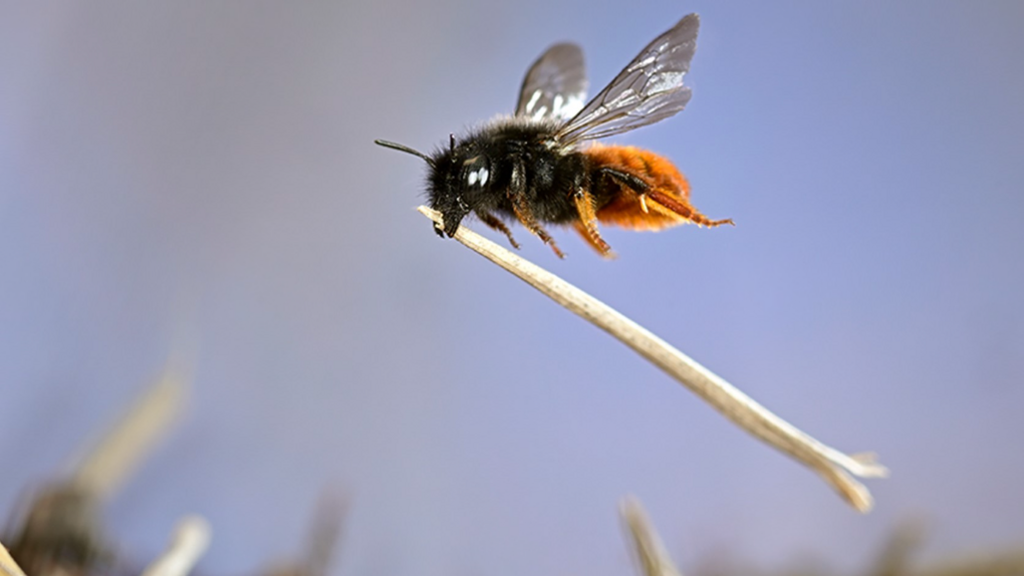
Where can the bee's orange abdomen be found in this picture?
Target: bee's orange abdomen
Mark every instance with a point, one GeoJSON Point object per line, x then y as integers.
{"type": "Point", "coordinates": [665, 203]}
{"type": "Point", "coordinates": [657, 171]}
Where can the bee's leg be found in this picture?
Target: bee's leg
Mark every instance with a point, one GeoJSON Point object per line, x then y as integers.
{"type": "Point", "coordinates": [517, 196]}
{"type": "Point", "coordinates": [525, 215]}
{"type": "Point", "coordinates": [657, 200]}
{"type": "Point", "coordinates": [634, 183]}
{"type": "Point", "coordinates": [492, 221]}
{"type": "Point", "coordinates": [587, 224]}
{"type": "Point", "coordinates": [601, 248]}
{"type": "Point", "coordinates": [671, 206]}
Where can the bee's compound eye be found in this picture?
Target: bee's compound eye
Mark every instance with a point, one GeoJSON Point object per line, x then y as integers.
{"type": "Point", "coordinates": [478, 176]}
{"type": "Point", "coordinates": [476, 172]}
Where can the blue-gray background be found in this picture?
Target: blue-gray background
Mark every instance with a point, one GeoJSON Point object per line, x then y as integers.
{"type": "Point", "coordinates": [207, 169]}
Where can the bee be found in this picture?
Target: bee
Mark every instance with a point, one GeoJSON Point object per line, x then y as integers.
{"type": "Point", "coordinates": [542, 166]}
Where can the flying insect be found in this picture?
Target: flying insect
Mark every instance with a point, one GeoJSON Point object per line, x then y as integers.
{"type": "Point", "coordinates": [542, 166]}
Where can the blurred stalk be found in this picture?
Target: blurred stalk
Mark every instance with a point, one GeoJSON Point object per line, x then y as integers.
{"type": "Point", "coordinates": [647, 545]}
{"type": "Point", "coordinates": [189, 542]}
{"type": "Point", "coordinates": [323, 540]}
{"type": "Point", "coordinates": [7, 564]}
{"type": "Point", "coordinates": [103, 470]}
{"type": "Point", "coordinates": [60, 530]}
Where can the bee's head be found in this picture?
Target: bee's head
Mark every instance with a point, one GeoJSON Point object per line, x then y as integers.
{"type": "Point", "coordinates": [456, 179]}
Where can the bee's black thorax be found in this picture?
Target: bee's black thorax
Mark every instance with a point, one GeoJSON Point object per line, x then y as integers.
{"type": "Point", "coordinates": [482, 172]}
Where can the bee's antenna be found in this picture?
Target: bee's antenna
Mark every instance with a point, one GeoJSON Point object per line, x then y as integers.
{"type": "Point", "coordinates": [452, 136]}
{"type": "Point", "coordinates": [406, 149]}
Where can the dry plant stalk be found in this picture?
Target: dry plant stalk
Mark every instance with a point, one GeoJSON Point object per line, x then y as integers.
{"type": "Point", "coordinates": [102, 471]}
{"type": "Point", "coordinates": [188, 543]}
{"type": "Point", "coordinates": [650, 550]}
{"type": "Point", "coordinates": [895, 558]}
{"type": "Point", "coordinates": [322, 541]}
{"type": "Point", "coordinates": [60, 530]}
{"type": "Point", "coordinates": [837, 468]}
{"type": "Point", "coordinates": [8, 565]}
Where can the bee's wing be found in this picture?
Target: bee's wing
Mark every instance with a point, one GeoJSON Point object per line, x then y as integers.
{"type": "Point", "coordinates": [649, 89]}
{"type": "Point", "coordinates": [556, 85]}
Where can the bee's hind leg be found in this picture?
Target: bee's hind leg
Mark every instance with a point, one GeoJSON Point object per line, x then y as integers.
{"type": "Point", "coordinates": [634, 183]}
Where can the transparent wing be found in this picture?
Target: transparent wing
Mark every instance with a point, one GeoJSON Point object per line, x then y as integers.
{"type": "Point", "coordinates": [649, 89]}
{"type": "Point", "coordinates": [556, 85]}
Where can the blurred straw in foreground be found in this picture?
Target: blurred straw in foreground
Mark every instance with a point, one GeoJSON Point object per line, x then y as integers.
{"type": "Point", "coordinates": [103, 470]}
{"type": "Point", "coordinates": [7, 564]}
{"type": "Point", "coordinates": [647, 545]}
{"type": "Point", "coordinates": [60, 530]}
{"type": "Point", "coordinates": [322, 541]}
{"type": "Point", "coordinates": [190, 540]}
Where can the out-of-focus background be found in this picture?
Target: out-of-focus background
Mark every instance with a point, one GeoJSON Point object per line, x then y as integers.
{"type": "Point", "coordinates": [204, 173]}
